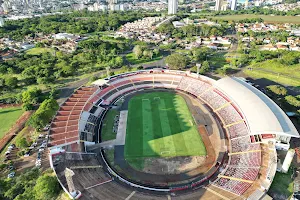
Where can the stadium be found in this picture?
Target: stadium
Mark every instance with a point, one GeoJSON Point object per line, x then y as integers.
{"type": "Point", "coordinates": [167, 134]}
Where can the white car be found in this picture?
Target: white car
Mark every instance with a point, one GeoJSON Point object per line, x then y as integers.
{"type": "Point", "coordinates": [41, 149]}
{"type": "Point", "coordinates": [11, 175]}
{"type": "Point", "coordinates": [7, 152]}
{"type": "Point", "coordinates": [41, 135]}
{"type": "Point", "coordinates": [34, 144]}
{"type": "Point", "coordinates": [43, 145]}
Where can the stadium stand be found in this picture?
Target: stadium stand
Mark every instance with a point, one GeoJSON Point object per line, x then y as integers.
{"type": "Point", "coordinates": [79, 115]}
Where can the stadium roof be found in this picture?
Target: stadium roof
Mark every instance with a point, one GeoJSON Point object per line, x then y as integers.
{"type": "Point", "coordinates": [262, 114]}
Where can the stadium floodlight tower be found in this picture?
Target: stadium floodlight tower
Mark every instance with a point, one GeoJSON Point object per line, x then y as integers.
{"type": "Point", "coordinates": [69, 174]}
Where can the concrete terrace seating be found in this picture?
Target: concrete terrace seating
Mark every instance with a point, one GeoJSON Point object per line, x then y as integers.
{"type": "Point", "coordinates": [251, 159]}
{"type": "Point", "coordinates": [237, 187]}
{"type": "Point", "coordinates": [214, 99]}
{"type": "Point", "coordinates": [229, 115]}
{"type": "Point", "coordinates": [237, 130]}
{"type": "Point", "coordinates": [64, 127]}
{"type": "Point", "coordinates": [242, 173]}
{"type": "Point", "coordinates": [240, 144]}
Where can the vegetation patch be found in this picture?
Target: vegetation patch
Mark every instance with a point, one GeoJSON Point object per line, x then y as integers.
{"type": "Point", "coordinates": [133, 60]}
{"type": "Point", "coordinates": [8, 117]}
{"type": "Point", "coordinates": [266, 18]}
{"type": "Point", "coordinates": [107, 132]}
{"type": "Point", "coordinates": [282, 185]}
{"type": "Point", "coordinates": [39, 50]}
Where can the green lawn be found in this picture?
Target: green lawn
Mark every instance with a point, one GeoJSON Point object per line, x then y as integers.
{"type": "Point", "coordinates": [107, 126]}
{"type": "Point", "coordinates": [38, 51]}
{"type": "Point", "coordinates": [8, 117]}
{"type": "Point", "coordinates": [266, 18]}
{"type": "Point", "coordinates": [277, 72]}
{"type": "Point", "coordinates": [132, 59]}
{"type": "Point", "coordinates": [160, 124]}
{"type": "Point", "coordinates": [282, 184]}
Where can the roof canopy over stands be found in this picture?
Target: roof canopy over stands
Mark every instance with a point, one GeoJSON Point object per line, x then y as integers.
{"type": "Point", "coordinates": [261, 113]}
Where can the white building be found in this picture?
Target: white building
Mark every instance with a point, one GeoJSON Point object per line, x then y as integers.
{"type": "Point", "coordinates": [233, 4]}
{"type": "Point", "coordinates": [218, 5]}
{"type": "Point", "coordinates": [1, 22]}
{"type": "Point", "coordinates": [172, 7]}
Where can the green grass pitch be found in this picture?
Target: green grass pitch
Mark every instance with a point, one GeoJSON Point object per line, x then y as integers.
{"type": "Point", "coordinates": [159, 124]}
{"type": "Point", "coordinates": [8, 117]}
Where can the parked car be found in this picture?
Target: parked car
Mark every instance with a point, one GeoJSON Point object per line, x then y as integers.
{"type": "Point", "coordinates": [27, 154]}
{"type": "Point", "coordinates": [11, 175]}
{"type": "Point", "coordinates": [46, 128]}
{"type": "Point", "coordinates": [41, 149]}
{"type": "Point", "coordinates": [34, 144]}
{"type": "Point", "coordinates": [7, 152]}
{"type": "Point", "coordinates": [38, 156]}
{"type": "Point", "coordinates": [43, 145]}
{"type": "Point", "coordinates": [11, 167]}
{"type": "Point", "coordinates": [41, 135]}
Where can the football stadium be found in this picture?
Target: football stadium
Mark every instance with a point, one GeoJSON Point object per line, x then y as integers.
{"type": "Point", "coordinates": [167, 134]}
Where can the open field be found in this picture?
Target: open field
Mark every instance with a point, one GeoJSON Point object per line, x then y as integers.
{"type": "Point", "coordinates": [277, 72]}
{"type": "Point", "coordinates": [8, 117]}
{"type": "Point", "coordinates": [38, 51]}
{"type": "Point", "coordinates": [266, 18]}
{"type": "Point", "coordinates": [160, 125]}
{"type": "Point", "coordinates": [131, 58]}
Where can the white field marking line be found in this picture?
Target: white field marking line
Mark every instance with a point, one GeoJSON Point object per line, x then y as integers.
{"type": "Point", "coordinates": [145, 99]}
{"type": "Point", "coordinates": [98, 184]}
{"type": "Point", "coordinates": [132, 193]}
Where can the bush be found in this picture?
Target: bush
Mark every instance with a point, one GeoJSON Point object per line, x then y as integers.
{"type": "Point", "coordinates": [277, 89]}
{"type": "Point", "coordinates": [140, 67]}
{"type": "Point", "coordinates": [3, 166]}
{"type": "Point", "coordinates": [21, 153]}
{"type": "Point", "coordinates": [22, 143]}
{"type": "Point", "coordinates": [46, 187]}
{"type": "Point", "coordinates": [293, 101]}
{"type": "Point", "coordinates": [27, 106]}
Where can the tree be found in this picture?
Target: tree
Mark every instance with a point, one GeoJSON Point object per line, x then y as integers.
{"type": "Point", "coordinates": [156, 52]}
{"type": "Point", "coordinates": [32, 96]}
{"type": "Point", "coordinates": [46, 187]}
{"type": "Point", "coordinates": [201, 54]}
{"type": "Point", "coordinates": [44, 113]}
{"type": "Point", "coordinates": [294, 101]}
{"type": "Point", "coordinates": [204, 68]}
{"type": "Point", "coordinates": [176, 61]}
{"type": "Point", "coordinates": [277, 90]}
{"type": "Point", "coordinates": [138, 51]}
{"type": "Point", "coordinates": [22, 143]}
{"type": "Point", "coordinates": [11, 82]}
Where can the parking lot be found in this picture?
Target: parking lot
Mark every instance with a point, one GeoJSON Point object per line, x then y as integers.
{"type": "Point", "coordinates": [35, 155]}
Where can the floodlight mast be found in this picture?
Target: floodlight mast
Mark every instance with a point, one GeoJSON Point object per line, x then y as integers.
{"type": "Point", "coordinates": [69, 174]}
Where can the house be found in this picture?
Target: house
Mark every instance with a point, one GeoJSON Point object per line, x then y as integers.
{"type": "Point", "coordinates": [213, 46]}
{"type": "Point", "coordinates": [268, 47]}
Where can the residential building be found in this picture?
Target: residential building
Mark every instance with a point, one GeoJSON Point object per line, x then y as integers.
{"type": "Point", "coordinates": [218, 5]}
{"type": "Point", "coordinates": [172, 7]}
